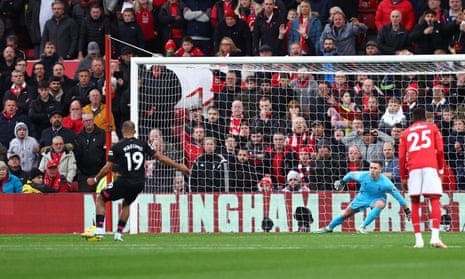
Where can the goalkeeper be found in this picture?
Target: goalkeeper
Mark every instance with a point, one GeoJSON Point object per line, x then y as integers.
{"type": "Point", "coordinates": [373, 189]}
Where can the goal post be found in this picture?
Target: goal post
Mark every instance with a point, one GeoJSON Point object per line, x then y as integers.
{"type": "Point", "coordinates": [168, 92]}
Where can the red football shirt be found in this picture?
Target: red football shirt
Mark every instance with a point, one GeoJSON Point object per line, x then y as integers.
{"type": "Point", "coordinates": [420, 146]}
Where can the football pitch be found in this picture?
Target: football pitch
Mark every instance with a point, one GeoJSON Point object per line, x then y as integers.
{"type": "Point", "coordinates": [219, 256]}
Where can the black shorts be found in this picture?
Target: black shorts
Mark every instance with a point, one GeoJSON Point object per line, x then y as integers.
{"type": "Point", "coordinates": [126, 188]}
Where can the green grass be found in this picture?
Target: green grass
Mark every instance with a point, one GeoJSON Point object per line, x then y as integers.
{"type": "Point", "coordinates": [221, 256]}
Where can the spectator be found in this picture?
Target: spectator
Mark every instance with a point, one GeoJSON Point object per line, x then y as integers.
{"type": "Point", "coordinates": [12, 16]}
{"type": "Point", "coordinates": [225, 98]}
{"type": "Point", "coordinates": [294, 183]}
{"type": "Point", "coordinates": [7, 65]}
{"type": "Point", "coordinates": [384, 13]}
{"type": "Point", "coordinates": [369, 89]}
{"type": "Point", "coordinates": [446, 120]}
{"type": "Point", "coordinates": [244, 176]}
{"type": "Point", "coordinates": [99, 110]}
{"type": "Point", "coordinates": [61, 154]}
{"type": "Point", "coordinates": [305, 89]}
{"type": "Point", "coordinates": [9, 183]}
{"type": "Point", "coordinates": [82, 88]}
{"type": "Point", "coordinates": [396, 130]}
{"type": "Point", "coordinates": [25, 147]}
{"type": "Point", "coordinates": [355, 162]}
{"type": "Point", "coordinates": [129, 31]}
{"type": "Point", "coordinates": [267, 29]}
{"type": "Point", "coordinates": [391, 164]}
{"type": "Point", "coordinates": [304, 164]}
{"type": "Point", "coordinates": [454, 147]}
{"type": "Point", "coordinates": [371, 115]}
{"type": "Point", "coordinates": [278, 161]}
{"type": "Point", "coordinates": [73, 120]}
{"type": "Point", "coordinates": [210, 172]}
{"type": "Point", "coordinates": [371, 48]}
{"type": "Point", "coordinates": [194, 147]}
{"type": "Point", "coordinates": [369, 142]}
{"type": "Point", "coordinates": [195, 119]}
{"type": "Point", "coordinates": [20, 91]}
{"type": "Point", "coordinates": [172, 22]}
{"type": "Point", "coordinates": [219, 10]}
{"type": "Point", "coordinates": [179, 185]}
{"type": "Point", "coordinates": [35, 184]}
{"type": "Point", "coordinates": [306, 30]}
{"type": "Point", "coordinates": [393, 115]}
{"type": "Point", "coordinates": [244, 133]}
{"type": "Point", "coordinates": [40, 108]}
{"type": "Point", "coordinates": [49, 57]}
{"type": "Point", "coordinates": [14, 165]}
{"type": "Point", "coordinates": [67, 83]}
{"type": "Point", "coordinates": [38, 74]}
{"type": "Point", "coordinates": [327, 165]}
{"type": "Point", "coordinates": [321, 103]}
{"type": "Point", "coordinates": [158, 176]}
{"type": "Point", "coordinates": [237, 30]}
{"type": "Point", "coordinates": [62, 31]}
{"type": "Point", "coordinates": [54, 179]}
{"type": "Point", "coordinates": [214, 125]}
{"type": "Point", "coordinates": [393, 38]}
{"type": "Point", "coordinates": [147, 19]}
{"type": "Point", "coordinates": [267, 120]}
{"type": "Point", "coordinates": [21, 65]}
{"type": "Point", "coordinates": [228, 48]}
{"type": "Point", "coordinates": [56, 129]}
{"type": "Point", "coordinates": [188, 49]}
{"type": "Point", "coordinates": [299, 137]}
{"type": "Point", "coordinates": [265, 184]}
{"type": "Point", "coordinates": [8, 120]}
{"type": "Point", "coordinates": [198, 27]}
{"type": "Point", "coordinates": [256, 150]}
{"type": "Point", "coordinates": [293, 111]}
{"type": "Point", "coordinates": [93, 52]}
{"type": "Point", "coordinates": [228, 150]}
{"type": "Point", "coordinates": [344, 112]}
{"type": "Point", "coordinates": [337, 146]}
{"type": "Point", "coordinates": [97, 73]}
{"type": "Point", "coordinates": [430, 35]}
{"type": "Point", "coordinates": [56, 90]}
{"type": "Point", "coordinates": [282, 94]}
{"type": "Point", "coordinates": [344, 34]}
{"type": "Point", "coordinates": [93, 29]}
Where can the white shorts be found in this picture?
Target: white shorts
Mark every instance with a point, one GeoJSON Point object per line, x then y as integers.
{"type": "Point", "coordinates": [424, 181]}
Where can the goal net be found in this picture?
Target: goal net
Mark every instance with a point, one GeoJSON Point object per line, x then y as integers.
{"type": "Point", "coordinates": [266, 137]}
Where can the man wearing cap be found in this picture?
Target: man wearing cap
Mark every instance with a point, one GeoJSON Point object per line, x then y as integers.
{"type": "Point", "coordinates": [236, 29]}
{"type": "Point", "coordinates": [56, 129]}
{"type": "Point", "coordinates": [268, 24]}
{"type": "Point", "coordinates": [371, 48]}
{"type": "Point", "coordinates": [294, 183]}
{"type": "Point", "coordinates": [54, 179]}
{"type": "Point", "coordinates": [8, 119]}
{"type": "Point", "coordinates": [14, 164]}
{"type": "Point", "coordinates": [93, 51]}
{"type": "Point", "coordinates": [369, 141]}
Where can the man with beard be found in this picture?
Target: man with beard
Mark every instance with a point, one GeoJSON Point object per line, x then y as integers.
{"type": "Point", "coordinates": [56, 129]}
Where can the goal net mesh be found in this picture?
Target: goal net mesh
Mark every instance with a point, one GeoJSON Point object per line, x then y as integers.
{"type": "Point", "coordinates": [255, 128]}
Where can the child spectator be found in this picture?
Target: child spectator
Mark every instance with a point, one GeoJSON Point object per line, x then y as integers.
{"type": "Point", "coordinates": [188, 49]}
{"type": "Point", "coordinates": [25, 146]}
{"type": "Point", "coordinates": [393, 115]}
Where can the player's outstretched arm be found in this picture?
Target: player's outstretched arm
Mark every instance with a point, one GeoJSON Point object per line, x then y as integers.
{"type": "Point", "coordinates": [103, 171]}
{"type": "Point", "coordinates": [169, 162]}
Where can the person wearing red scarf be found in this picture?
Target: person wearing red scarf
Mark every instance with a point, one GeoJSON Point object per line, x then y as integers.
{"type": "Point", "coordinates": [8, 120]}
{"type": "Point", "coordinates": [53, 179]}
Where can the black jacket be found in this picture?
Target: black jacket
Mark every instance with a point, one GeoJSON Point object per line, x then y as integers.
{"type": "Point", "coordinates": [90, 151]}
{"type": "Point", "coordinates": [210, 173]}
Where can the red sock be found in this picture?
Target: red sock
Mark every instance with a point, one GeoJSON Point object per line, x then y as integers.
{"type": "Point", "coordinates": [416, 216]}
{"type": "Point", "coordinates": [435, 212]}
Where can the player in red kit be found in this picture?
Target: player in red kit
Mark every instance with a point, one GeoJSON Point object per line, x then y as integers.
{"type": "Point", "coordinates": [421, 161]}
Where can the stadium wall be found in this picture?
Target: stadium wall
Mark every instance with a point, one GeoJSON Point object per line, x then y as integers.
{"type": "Point", "coordinates": [201, 213]}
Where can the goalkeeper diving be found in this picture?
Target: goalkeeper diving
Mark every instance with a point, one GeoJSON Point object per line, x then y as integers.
{"type": "Point", "coordinates": [373, 188]}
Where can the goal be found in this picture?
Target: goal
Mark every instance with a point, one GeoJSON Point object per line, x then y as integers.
{"type": "Point", "coordinates": [252, 107]}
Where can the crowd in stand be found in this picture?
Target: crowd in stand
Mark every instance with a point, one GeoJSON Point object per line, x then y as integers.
{"type": "Point", "coordinates": [284, 132]}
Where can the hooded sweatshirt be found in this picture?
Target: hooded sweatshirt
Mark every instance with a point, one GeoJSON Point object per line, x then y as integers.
{"type": "Point", "coordinates": [25, 148]}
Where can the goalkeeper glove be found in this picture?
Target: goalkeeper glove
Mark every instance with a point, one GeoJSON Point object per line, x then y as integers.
{"type": "Point", "coordinates": [408, 213]}
{"type": "Point", "coordinates": [339, 185]}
